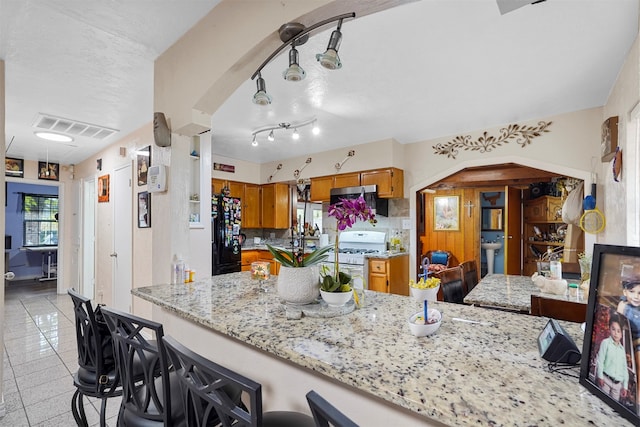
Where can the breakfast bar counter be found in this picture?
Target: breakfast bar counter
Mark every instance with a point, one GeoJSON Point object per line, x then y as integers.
{"type": "Point", "coordinates": [482, 367]}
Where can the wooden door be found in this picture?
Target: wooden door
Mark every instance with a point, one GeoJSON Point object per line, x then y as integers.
{"type": "Point", "coordinates": [346, 180]}
{"type": "Point", "coordinates": [236, 189]}
{"type": "Point", "coordinates": [321, 188]}
{"type": "Point", "coordinates": [381, 178]}
{"type": "Point", "coordinates": [251, 206]}
{"type": "Point", "coordinates": [512, 232]}
{"type": "Point", "coordinates": [217, 185]}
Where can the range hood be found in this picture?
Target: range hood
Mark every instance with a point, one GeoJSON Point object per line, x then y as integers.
{"type": "Point", "coordinates": [370, 194]}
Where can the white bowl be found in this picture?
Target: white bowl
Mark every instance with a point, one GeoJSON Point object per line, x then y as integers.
{"type": "Point", "coordinates": [336, 299]}
{"type": "Point", "coordinates": [428, 329]}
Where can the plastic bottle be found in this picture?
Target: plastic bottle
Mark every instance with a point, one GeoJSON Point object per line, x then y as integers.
{"type": "Point", "coordinates": [177, 272]}
{"type": "Point", "coordinates": [186, 274]}
{"type": "Point", "coordinates": [555, 266]}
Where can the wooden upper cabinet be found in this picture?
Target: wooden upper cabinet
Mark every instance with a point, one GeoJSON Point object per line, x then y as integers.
{"type": "Point", "coordinates": [251, 207]}
{"type": "Point", "coordinates": [390, 182]}
{"type": "Point", "coordinates": [346, 180]}
{"type": "Point", "coordinates": [236, 189]}
{"type": "Point", "coordinates": [543, 209]}
{"type": "Point", "coordinates": [321, 188]}
{"type": "Point", "coordinates": [217, 185]}
{"type": "Point", "coordinates": [275, 206]}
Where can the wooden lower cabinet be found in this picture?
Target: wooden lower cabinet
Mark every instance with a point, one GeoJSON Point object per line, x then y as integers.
{"type": "Point", "coordinates": [389, 275]}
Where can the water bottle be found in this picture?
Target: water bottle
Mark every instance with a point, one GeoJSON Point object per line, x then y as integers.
{"type": "Point", "coordinates": [177, 274]}
{"type": "Point", "coordinates": [555, 267]}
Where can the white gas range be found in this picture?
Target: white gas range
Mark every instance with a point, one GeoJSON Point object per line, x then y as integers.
{"type": "Point", "coordinates": [353, 246]}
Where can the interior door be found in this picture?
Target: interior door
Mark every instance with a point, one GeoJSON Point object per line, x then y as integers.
{"type": "Point", "coordinates": [88, 239]}
{"type": "Point", "coordinates": [513, 232]}
{"type": "Point", "coordinates": [122, 238]}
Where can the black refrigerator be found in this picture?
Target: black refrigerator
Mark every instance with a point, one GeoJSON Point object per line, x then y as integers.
{"type": "Point", "coordinates": [225, 234]}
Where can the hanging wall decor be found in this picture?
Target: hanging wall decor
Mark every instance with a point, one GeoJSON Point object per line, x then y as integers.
{"type": "Point", "coordinates": [143, 160]}
{"type": "Point", "coordinates": [486, 143]}
{"type": "Point", "coordinates": [144, 209]}
{"type": "Point", "coordinates": [14, 167]}
{"type": "Point", "coordinates": [103, 189]}
{"type": "Point", "coordinates": [48, 171]}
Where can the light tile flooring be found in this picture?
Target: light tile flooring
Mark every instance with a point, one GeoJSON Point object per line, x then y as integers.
{"type": "Point", "coordinates": [40, 356]}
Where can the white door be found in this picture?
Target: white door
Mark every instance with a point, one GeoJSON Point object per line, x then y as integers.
{"type": "Point", "coordinates": [122, 238]}
{"type": "Point", "coordinates": [88, 283]}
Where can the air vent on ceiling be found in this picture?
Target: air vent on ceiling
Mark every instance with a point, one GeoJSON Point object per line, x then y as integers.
{"type": "Point", "coordinates": [72, 127]}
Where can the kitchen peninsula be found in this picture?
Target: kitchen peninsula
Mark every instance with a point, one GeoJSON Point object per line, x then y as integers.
{"type": "Point", "coordinates": [370, 366]}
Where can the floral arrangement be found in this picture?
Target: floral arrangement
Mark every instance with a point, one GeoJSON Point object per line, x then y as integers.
{"type": "Point", "coordinates": [346, 212]}
{"type": "Point", "coordinates": [429, 283]}
{"type": "Point", "coordinates": [297, 258]}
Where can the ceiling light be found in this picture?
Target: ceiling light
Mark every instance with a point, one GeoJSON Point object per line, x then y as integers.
{"type": "Point", "coordinates": [51, 136]}
{"type": "Point", "coordinates": [286, 126]}
{"type": "Point", "coordinates": [271, 137]}
{"type": "Point", "coordinates": [295, 135]}
{"type": "Point", "coordinates": [330, 59]}
{"type": "Point", "coordinates": [294, 73]}
{"type": "Point", "coordinates": [315, 129]}
{"type": "Point", "coordinates": [261, 96]}
{"type": "Point", "coordinates": [296, 34]}
{"type": "Point", "coordinates": [255, 141]}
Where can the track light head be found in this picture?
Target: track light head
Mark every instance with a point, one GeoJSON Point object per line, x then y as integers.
{"type": "Point", "coordinates": [315, 129]}
{"type": "Point", "coordinates": [295, 135]}
{"type": "Point", "coordinates": [271, 137]}
{"type": "Point", "coordinates": [255, 141]}
{"type": "Point", "coordinates": [294, 73]}
{"type": "Point", "coordinates": [330, 59]}
{"type": "Point", "coordinates": [261, 96]}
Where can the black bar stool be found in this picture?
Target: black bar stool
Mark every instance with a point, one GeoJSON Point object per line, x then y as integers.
{"type": "Point", "coordinates": [325, 414]}
{"type": "Point", "coordinates": [97, 374]}
{"type": "Point", "coordinates": [205, 392]}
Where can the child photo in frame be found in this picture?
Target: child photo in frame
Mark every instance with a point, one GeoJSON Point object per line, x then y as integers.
{"type": "Point", "coordinates": [611, 350]}
{"type": "Point", "coordinates": [48, 171]}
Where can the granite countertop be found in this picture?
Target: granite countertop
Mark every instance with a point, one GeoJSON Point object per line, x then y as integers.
{"type": "Point", "coordinates": [464, 374]}
{"type": "Point", "coordinates": [386, 255]}
{"type": "Point", "coordinates": [511, 292]}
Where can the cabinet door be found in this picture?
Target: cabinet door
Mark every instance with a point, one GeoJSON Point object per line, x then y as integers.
{"type": "Point", "coordinates": [554, 209]}
{"type": "Point", "coordinates": [275, 206]}
{"type": "Point", "coordinates": [535, 210]}
{"type": "Point", "coordinates": [248, 256]}
{"type": "Point", "coordinates": [251, 206]}
{"type": "Point", "coordinates": [236, 189]}
{"type": "Point", "coordinates": [378, 282]}
{"type": "Point", "coordinates": [346, 180]}
{"type": "Point", "coordinates": [321, 188]}
{"type": "Point", "coordinates": [217, 185]}
{"type": "Point", "coordinates": [389, 181]}
{"type": "Point", "coordinates": [398, 275]}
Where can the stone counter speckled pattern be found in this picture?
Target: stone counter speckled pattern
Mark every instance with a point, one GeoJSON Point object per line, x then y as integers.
{"type": "Point", "coordinates": [510, 292]}
{"type": "Point", "coordinates": [465, 374]}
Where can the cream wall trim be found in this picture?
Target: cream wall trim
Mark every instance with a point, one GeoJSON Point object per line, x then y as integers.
{"type": "Point", "coordinates": [525, 161]}
{"type": "Point", "coordinates": [2, 225]}
{"type": "Point", "coordinates": [635, 111]}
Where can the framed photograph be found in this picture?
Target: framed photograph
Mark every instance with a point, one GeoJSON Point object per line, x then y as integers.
{"type": "Point", "coordinates": [144, 161]}
{"type": "Point", "coordinates": [611, 349]}
{"type": "Point", "coordinates": [14, 167]}
{"type": "Point", "coordinates": [50, 171]}
{"type": "Point", "coordinates": [609, 141]}
{"type": "Point", "coordinates": [446, 213]}
{"type": "Point", "coordinates": [103, 189]}
{"type": "Point", "coordinates": [144, 209]}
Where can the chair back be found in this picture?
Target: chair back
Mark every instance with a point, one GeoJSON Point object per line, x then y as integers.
{"type": "Point", "coordinates": [452, 285]}
{"type": "Point", "coordinates": [325, 414]}
{"type": "Point", "coordinates": [96, 373]}
{"type": "Point", "coordinates": [211, 392]}
{"type": "Point", "coordinates": [470, 271]}
{"type": "Point", "coordinates": [144, 369]}
{"type": "Point", "coordinates": [558, 309]}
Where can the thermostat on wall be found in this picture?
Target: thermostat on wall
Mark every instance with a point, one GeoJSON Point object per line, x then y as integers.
{"type": "Point", "coordinates": [157, 178]}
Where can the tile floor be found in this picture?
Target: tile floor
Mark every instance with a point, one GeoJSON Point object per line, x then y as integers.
{"type": "Point", "coordinates": [40, 356]}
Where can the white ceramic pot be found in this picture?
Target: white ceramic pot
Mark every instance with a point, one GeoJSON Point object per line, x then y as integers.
{"type": "Point", "coordinates": [429, 294]}
{"type": "Point", "coordinates": [298, 285]}
{"type": "Point", "coordinates": [336, 299]}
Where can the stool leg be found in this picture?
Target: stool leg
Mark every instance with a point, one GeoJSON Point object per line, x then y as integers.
{"type": "Point", "coordinates": [77, 408]}
{"type": "Point", "coordinates": [103, 410]}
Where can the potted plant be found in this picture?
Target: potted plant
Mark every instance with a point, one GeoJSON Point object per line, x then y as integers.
{"type": "Point", "coordinates": [346, 212]}
{"type": "Point", "coordinates": [425, 289]}
{"type": "Point", "coordinates": [298, 278]}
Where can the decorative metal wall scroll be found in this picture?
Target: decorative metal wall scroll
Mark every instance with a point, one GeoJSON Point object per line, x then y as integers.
{"type": "Point", "coordinates": [521, 134]}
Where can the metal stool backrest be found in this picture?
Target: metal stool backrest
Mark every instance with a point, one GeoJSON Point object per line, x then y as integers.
{"type": "Point", "coordinates": [212, 392]}
{"type": "Point", "coordinates": [144, 370]}
{"type": "Point", "coordinates": [325, 414]}
{"type": "Point", "coordinates": [97, 375]}
{"type": "Point", "coordinates": [452, 285]}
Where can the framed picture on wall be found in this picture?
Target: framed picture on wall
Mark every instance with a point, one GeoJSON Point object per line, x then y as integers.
{"type": "Point", "coordinates": [48, 171]}
{"type": "Point", "coordinates": [103, 189]}
{"type": "Point", "coordinates": [144, 209]}
{"type": "Point", "coordinates": [446, 213]}
{"type": "Point", "coordinates": [14, 167]}
{"type": "Point", "coordinates": [143, 163]}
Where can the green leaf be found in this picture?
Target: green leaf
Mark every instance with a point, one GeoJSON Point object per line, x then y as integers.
{"type": "Point", "coordinates": [317, 256]}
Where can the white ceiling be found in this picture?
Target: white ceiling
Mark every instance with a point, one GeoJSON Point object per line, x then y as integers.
{"type": "Point", "coordinates": [423, 70]}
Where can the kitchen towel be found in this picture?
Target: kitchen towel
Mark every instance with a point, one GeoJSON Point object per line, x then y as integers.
{"type": "Point", "coordinates": [324, 240]}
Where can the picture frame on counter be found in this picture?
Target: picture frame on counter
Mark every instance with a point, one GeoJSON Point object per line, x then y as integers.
{"type": "Point", "coordinates": [611, 347]}
{"type": "Point", "coordinates": [446, 213]}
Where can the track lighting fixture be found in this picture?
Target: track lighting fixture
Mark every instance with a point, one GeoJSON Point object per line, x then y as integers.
{"type": "Point", "coordinates": [296, 34]}
{"type": "Point", "coordinates": [285, 126]}
{"type": "Point", "coordinates": [330, 59]}
{"type": "Point", "coordinates": [261, 96]}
